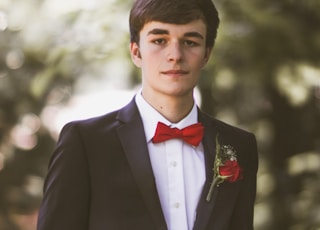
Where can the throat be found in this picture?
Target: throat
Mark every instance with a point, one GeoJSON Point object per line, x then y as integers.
{"type": "Point", "coordinates": [174, 112]}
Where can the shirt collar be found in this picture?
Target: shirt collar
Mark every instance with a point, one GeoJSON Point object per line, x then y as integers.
{"type": "Point", "coordinates": [151, 117]}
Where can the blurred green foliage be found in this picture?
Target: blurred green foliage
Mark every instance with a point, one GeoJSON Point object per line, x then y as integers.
{"type": "Point", "coordinates": [264, 76]}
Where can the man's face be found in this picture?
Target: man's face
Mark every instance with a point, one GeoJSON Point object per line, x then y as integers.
{"type": "Point", "coordinates": [171, 57]}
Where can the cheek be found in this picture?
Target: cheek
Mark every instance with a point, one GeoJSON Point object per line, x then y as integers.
{"type": "Point", "coordinates": [198, 59]}
{"type": "Point", "coordinates": [151, 59]}
{"type": "Point", "coordinates": [198, 65]}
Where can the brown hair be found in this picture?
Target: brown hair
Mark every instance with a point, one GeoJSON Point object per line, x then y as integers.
{"type": "Point", "coordinates": [175, 12]}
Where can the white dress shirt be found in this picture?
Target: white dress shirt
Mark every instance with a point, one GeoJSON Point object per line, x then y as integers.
{"type": "Point", "coordinates": [178, 167]}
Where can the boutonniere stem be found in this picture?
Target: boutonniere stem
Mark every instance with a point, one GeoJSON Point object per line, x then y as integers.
{"type": "Point", "coordinates": [215, 183]}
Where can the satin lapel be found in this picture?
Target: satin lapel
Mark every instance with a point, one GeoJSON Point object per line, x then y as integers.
{"type": "Point", "coordinates": [133, 140]}
{"type": "Point", "coordinates": [204, 208]}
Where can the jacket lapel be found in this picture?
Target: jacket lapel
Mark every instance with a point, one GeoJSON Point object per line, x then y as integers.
{"type": "Point", "coordinates": [133, 140]}
{"type": "Point", "coordinates": [204, 208]}
{"type": "Point", "coordinates": [223, 198]}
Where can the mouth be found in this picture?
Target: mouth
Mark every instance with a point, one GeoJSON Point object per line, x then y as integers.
{"type": "Point", "coordinates": [175, 72]}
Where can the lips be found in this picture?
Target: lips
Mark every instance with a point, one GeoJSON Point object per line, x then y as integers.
{"type": "Point", "coordinates": [175, 72]}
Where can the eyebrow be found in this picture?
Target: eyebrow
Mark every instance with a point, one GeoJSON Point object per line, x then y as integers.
{"type": "Point", "coordinates": [158, 31]}
{"type": "Point", "coordinates": [163, 31]}
{"type": "Point", "coordinates": [194, 34]}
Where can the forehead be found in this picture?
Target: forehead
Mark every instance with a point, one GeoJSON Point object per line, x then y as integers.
{"type": "Point", "coordinates": [197, 26]}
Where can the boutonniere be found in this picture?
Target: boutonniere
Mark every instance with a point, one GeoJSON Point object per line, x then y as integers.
{"type": "Point", "coordinates": [225, 168]}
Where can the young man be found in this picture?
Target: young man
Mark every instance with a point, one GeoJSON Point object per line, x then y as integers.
{"type": "Point", "coordinates": [113, 172]}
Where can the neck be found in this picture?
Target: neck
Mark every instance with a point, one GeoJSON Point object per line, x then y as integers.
{"type": "Point", "coordinates": [173, 108]}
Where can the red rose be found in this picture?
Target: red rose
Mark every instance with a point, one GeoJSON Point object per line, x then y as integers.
{"type": "Point", "coordinates": [231, 169]}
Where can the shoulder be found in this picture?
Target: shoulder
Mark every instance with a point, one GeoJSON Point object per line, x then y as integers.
{"type": "Point", "coordinates": [231, 130]}
{"type": "Point", "coordinates": [105, 122]}
{"type": "Point", "coordinates": [223, 128]}
{"type": "Point", "coordinates": [93, 123]}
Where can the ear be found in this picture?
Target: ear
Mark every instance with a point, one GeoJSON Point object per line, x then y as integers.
{"type": "Point", "coordinates": [207, 55]}
{"type": "Point", "coordinates": [135, 54]}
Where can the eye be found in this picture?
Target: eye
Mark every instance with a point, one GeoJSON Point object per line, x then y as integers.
{"type": "Point", "coordinates": [190, 43]}
{"type": "Point", "coordinates": [159, 41]}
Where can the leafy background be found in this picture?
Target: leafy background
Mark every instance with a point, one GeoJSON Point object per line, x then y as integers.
{"type": "Point", "coordinates": [63, 60]}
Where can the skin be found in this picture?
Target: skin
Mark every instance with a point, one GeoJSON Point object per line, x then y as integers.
{"type": "Point", "coordinates": [171, 58]}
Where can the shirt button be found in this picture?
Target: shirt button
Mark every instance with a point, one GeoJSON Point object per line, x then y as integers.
{"type": "Point", "coordinates": [177, 205]}
{"type": "Point", "coordinates": [173, 163]}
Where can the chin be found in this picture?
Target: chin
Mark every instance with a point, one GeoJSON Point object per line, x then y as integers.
{"type": "Point", "coordinates": [179, 92]}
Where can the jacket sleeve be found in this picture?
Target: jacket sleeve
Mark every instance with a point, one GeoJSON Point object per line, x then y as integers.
{"type": "Point", "coordinates": [65, 203]}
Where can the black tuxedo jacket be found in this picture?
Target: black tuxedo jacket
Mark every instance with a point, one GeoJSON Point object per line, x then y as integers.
{"type": "Point", "coordinates": [100, 178]}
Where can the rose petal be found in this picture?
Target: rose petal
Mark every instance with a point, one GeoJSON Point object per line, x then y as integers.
{"type": "Point", "coordinates": [231, 169]}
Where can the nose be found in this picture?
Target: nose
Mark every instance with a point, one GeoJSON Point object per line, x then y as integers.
{"type": "Point", "coordinates": [175, 52]}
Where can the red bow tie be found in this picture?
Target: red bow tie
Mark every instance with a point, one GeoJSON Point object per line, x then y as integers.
{"type": "Point", "coordinates": [192, 134]}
